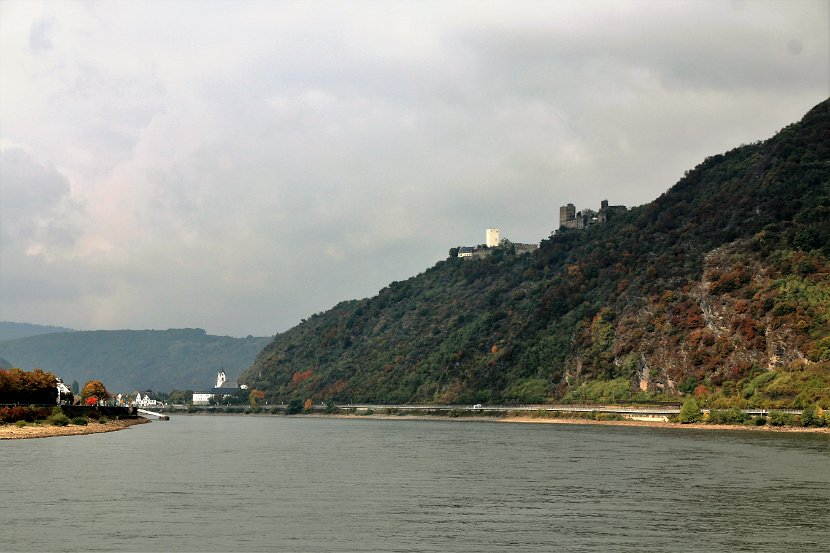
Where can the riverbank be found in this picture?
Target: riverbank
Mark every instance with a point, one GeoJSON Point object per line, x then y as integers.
{"type": "Point", "coordinates": [563, 420]}
{"type": "Point", "coordinates": [13, 432]}
{"type": "Point", "coordinates": [662, 424]}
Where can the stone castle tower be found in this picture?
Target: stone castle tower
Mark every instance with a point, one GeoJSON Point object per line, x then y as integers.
{"type": "Point", "coordinates": [567, 213]}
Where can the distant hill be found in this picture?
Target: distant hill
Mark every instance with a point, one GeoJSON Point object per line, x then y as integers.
{"type": "Point", "coordinates": [5, 364]}
{"type": "Point", "coordinates": [128, 360]}
{"type": "Point", "coordinates": [13, 331]}
{"type": "Point", "coordinates": [720, 287]}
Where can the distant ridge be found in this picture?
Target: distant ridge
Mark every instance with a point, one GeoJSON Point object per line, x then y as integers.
{"type": "Point", "coordinates": [11, 331]}
{"type": "Point", "coordinates": [130, 360]}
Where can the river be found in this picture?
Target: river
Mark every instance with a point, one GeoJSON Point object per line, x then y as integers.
{"type": "Point", "coordinates": [233, 483]}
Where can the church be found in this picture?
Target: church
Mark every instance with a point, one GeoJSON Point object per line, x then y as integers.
{"type": "Point", "coordinates": [223, 387]}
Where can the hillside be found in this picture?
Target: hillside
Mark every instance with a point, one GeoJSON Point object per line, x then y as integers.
{"type": "Point", "coordinates": [129, 360]}
{"type": "Point", "coordinates": [720, 287]}
{"type": "Point", "coordinates": [12, 331]}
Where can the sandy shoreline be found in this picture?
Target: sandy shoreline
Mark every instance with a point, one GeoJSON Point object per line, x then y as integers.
{"type": "Point", "coordinates": [660, 424]}
{"type": "Point", "coordinates": [12, 432]}
{"type": "Point", "coordinates": [637, 423]}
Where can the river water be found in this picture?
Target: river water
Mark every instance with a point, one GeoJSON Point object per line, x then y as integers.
{"type": "Point", "coordinates": [232, 483]}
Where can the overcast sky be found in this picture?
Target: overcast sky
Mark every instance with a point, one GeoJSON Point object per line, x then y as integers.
{"type": "Point", "coordinates": [239, 166]}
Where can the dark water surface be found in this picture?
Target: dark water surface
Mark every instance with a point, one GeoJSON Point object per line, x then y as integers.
{"type": "Point", "coordinates": [222, 483]}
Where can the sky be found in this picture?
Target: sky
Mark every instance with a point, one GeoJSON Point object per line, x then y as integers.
{"type": "Point", "coordinates": [239, 166]}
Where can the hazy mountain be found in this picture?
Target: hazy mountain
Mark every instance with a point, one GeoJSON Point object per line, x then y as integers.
{"type": "Point", "coordinates": [721, 287]}
{"type": "Point", "coordinates": [128, 360]}
{"type": "Point", "coordinates": [12, 331]}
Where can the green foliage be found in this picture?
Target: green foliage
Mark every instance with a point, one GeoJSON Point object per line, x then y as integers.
{"type": "Point", "coordinates": [80, 421]}
{"type": "Point", "coordinates": [294, 407]}
{"type": "Point", "coordinates": [57, 418]}
{"type": "Point", "coordinates": [601, 391]}
{"type": "Point", "coordinates": [529, 390]}
{"type": "Point", "coordinates": [778, 418]}
{"type": "Point", "coordinates": [727, 416]}
{"type": "Point", "coordinates": [690, 412]}
{"type": "Point", "coordinates": [812, 415]}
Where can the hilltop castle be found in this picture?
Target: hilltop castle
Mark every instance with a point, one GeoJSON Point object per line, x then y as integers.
{"type": "Point", "coordinates": [570, 218]}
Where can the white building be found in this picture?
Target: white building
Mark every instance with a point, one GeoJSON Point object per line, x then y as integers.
{"type": "Point", "coordinates": [202, 398]}
{"type": "Point", "coordinates": [491, 237]}
{"type": "Point", "coordinates": [146, 400]}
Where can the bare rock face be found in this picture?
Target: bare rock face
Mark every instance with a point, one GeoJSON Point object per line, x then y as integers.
{"type": "Point", "coordinates": [732, 320]}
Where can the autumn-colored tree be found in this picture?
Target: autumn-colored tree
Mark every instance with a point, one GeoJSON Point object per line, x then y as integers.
{"type": "Point", "coordinates": [94, 388]}
{"type": "Point", "coordinates": [19, 386]}
{"type": "Point", "coordinates": [308, 405]}
{"type": "Point", "coordinates": [255, 397]}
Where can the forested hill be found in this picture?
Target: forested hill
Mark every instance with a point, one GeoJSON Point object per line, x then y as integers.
{"type": "Point", "coordinates": [130, 360]}
{"type": "Point", "coordinates": [719, 287]}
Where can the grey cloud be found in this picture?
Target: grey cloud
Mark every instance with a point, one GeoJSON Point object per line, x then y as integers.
{"type": "Point", "coordinates": [35, 199]}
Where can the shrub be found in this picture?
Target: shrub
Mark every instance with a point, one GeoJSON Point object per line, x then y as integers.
{"type": "Point", "coordinates": [727, 416]}
{"type": "Point", "coordinates": [16, 413]}
{"type": "Point", "coordinates": [57, 419]}
{"type": "Point", "coordinates": [80, 421]}
{"type": "Point", "coordinates": [294, 407]}
{"type": "Point", "coordinates": [690, 412]}
{"type": "Point", "coordinates": [776, 418]}
{"type": "Point", "coordinates": [811, 416]}
{"type": "Point", "coordinates": [760, 421]}
{"type": "Point", "coordinates": [21, 423]}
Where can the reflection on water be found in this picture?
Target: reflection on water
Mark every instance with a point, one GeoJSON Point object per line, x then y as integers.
{"type": "Point", "coordinates": [214, 483]}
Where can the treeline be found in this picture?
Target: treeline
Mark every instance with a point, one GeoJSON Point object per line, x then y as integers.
{"type": "Point", "coordinates": [25, 388]}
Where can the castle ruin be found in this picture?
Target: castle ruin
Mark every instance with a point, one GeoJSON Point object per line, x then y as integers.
{"type": "Point", "coordinates": [569, 217]}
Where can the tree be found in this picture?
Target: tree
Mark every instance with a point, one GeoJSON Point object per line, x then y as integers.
{"type": "Point", "coordinates": [690, 412]}
{"type": "Point", "coordinates": [255, 397]}
{"type": "Point", "coordinates": [294, 406]}
{"type": "Point", "coordinates": [35, 387]}
{"type": "Point", "coordinates": [94, 388]}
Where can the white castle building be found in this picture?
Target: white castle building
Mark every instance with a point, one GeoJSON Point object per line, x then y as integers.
{"type": "Point", "coordinates": [491, 237]}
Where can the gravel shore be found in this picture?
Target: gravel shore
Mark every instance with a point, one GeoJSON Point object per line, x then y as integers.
{"type": "Point", "coordinates": [12, 432]}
